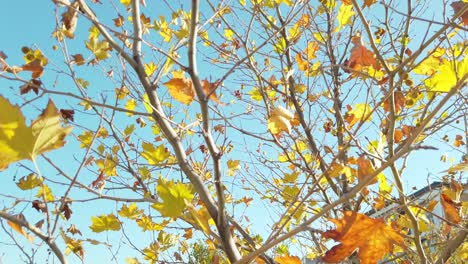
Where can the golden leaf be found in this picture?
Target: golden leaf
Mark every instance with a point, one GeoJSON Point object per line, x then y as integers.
{"type": "Point", "coordinates": [18, 141]}
{"type": "Point", "coordinates": [181, 89]}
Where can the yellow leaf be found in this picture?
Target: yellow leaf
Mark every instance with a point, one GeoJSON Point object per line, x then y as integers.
{"type": "Point", "coordinates": [104, 223]}
{"type": "Point", "coordinates": [153, 155]}
{"type": "Point", "coordinates": [233, 166]}
{"type": "Point", "coordinates": [150, 68]}
{"type": "Point", "coordinates": [360, 112]}
{"type": "Point", "coordinates": [174, 196]}
{"type": "Point", "coordinates": [228, 34]}
{"type": "Point", "coordinates": [108, 165]}
{"type": "Point", "coordinates": [100, 49]}
{"type": "Point", "coordinates": [146, 224]}
{"type": "Point", "coordinates": [17, 141]}
{"type": "Point", "coordinates": [344, 15]}
{"type": "Point", "coordinates": [29, 182]}
{"type": "Point", "coordinates": [130, 105]}
{"type": "Point", "coordinates": [126, 2]}
{"type": "Point", "coordinates": [181, 90]}
{"type": "Point", "coordinates": [280, 121]}
{"type": "Point", "coordinates": [45, 192]}
{"type": "Point", "coordinates": [447, 77]}
{"type": "Point", "coordinates": [131, 211]}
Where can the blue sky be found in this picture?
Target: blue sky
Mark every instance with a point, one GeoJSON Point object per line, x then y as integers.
{"type": "Point", "coordinates": [32, 23]}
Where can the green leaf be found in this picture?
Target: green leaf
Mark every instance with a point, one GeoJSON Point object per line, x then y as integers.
{"type": "Point", "coordinates": [104, 223]}
{"type": "Point", "coordinates": [174, 196]}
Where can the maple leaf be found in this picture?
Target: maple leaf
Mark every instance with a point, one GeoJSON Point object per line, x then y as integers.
{"type": "Point", "coordinates": [29, 182]}
{"type": "Point", "coordinates": [373, 237]}
{"type": "Point", "coordinates": [361, 56]}
{"type": "Point", "coordinates": [447, 77]}
{"type": "Point", "coordinates": [32, 85]}
{"type": "Point", "coordinates": [209, 89]}
{"type": "Point", "coordinates": [399, 102]}
{"type": "Point", "coordinates": [18, 141]}
{"type": "Point", "coordinates": [68, 114]}
{"type": "Point", "coordinates": [457, 6]}
{"type": "Point", "coordinates": [359, 113]}
{"type": "Point", "coordinates": [131, 211]}
{"type": "Point", "coordinates": [181, 89]}
{"type": "Point", "coordinates": [70, 19]}
{"type": "Point", "coordinates": [35, 67]}
{"type": "Point", "coordinates": [286, 259]}
{"type": "Point", "coordinates": [365, 168]}
{"type": "Point", "coordinates": [39, 206]}
{"type": "Point", "coordinates": [174, 196]}
{"type": "Point", "coordinates": [78, 59]}
{"type": "Point", "coordinates": [154, 155]}
{"type": "Point", "coordinates": [451, 208]}
{"type": "Point", "coordinates": [104, 223]}
{"type": "Point", "coordinates": [100, 49]}
{"type": "Point", "coordinates": [280, 121]}
{"type": "Point", "coordinates": [344, 15]}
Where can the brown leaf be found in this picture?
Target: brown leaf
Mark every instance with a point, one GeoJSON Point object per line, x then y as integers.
{"type": "Point", "coordinates": [35, 67]}
{"type": "Point", "coordinates": [398, 135]}
{"type": "Point", "coordinates": [70, 19]}
{"type": "Point", "coordinates": [78, 59]}
{"type": "Point", "coordinates": [39, 224]}
{"type": "Point", "coordinates": [99, 182]}
{"type": "Point", "coordinates": [67, 212]}
{"type": "Point", "coordinates": [457, 6]}
{"type": "Point", "coordinates": [67, 114]}
{"type": "Point", "coordinates": [119, 21]}
{"type": "Point", "coordinates": [399, 99]}
{"type": "Point", "coordinates": [373, 237]}
{"type": "Point", "coordinates": [73, 230]}
{"type": "Point", "coordinates": [32, 85]}
{"type": "Point", "coordinates": [39, 206]}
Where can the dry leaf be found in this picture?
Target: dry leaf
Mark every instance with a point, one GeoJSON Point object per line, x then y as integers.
{"type": "Point", "coordinates": [19, 228]}
{"type": "Point", "coordinates": [70, 19]}
{"type": "Point", "coordinates": [209, 89]}
{"type": "Point", "coordinates": [457, 6]}
{"type": "Point", "coordinates": [280, 121]}
{"type": "Point", "coordinates": [181, 89]}
{"type": "Point", "coordinates": [373, 237]}
{"type": "Point", "coordinates": [361, 56]}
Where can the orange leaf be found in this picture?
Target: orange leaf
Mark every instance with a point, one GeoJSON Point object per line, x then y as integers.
{"type": "Point", "coordinates": [451, 209]}
{"type": "Point", "coordinates": [365, 168]}
{"type": "Point", "coordinates": [19, 228]}
{"type": "Point", "coordinates": [373, 237]}
{"type": "Point", "coordinates": [209, 89]}
{"type": "Point", "coordinates": [361, 56]}
{"type": "Point", "coordinates": [286, 259]}
{"type": "Point", "coordinates": [181, 89]}
{"type": "Point", "coordinates": [398, 135]}
{"type": "Point", "coordinates": [458, 141]}
{"type": "Point", "coordinates": [70, 18]}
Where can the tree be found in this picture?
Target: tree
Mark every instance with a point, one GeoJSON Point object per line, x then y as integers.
{"type": "Point", "coordinates": [189, 122]}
